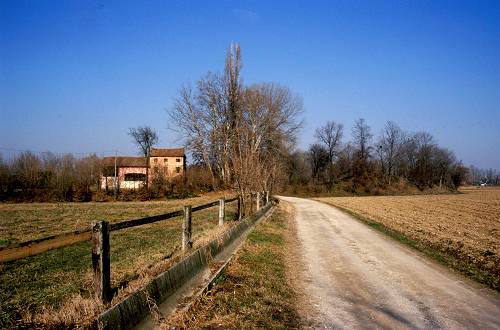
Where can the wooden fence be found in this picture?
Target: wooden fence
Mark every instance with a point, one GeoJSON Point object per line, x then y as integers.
{"type": "Point", "coordinates": [99, 231]}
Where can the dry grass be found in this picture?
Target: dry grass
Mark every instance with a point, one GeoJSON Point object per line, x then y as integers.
{"type": "Point", "coordinates": [254, 291]}
{"type": "Point", "coordinates": [48, 288]}
{"type": "Point", "coordinates": [26, 221]}
{"type": "Point", "coordinates": [463, 226]}
{"type": "Point", "coordinates": [75, 311]}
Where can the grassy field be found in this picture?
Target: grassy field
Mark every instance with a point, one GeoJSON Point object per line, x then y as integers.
{"type": "Point", "coordinates": [43, 284]}
{"type": "Point", "coordinates": [27, 221]}
{"type": "Point", "coordinates": [253, 292]}
{"type": "Point", "coordinates": [461, 230]}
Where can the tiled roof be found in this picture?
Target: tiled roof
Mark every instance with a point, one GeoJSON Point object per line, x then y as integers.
{"type": "Point", "coordinates": [124, 161]}
{"type": "Point", "coordinates": [172, 152]}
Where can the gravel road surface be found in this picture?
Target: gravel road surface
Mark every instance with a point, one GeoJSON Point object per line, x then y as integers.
{"type": "Point", "coordinates": [356, 278]}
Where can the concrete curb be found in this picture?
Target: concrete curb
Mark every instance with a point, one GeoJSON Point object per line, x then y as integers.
{"type": "Point", "coordinates": [219, 271]}
{"type": "Point", "coordinates": [130, 311]}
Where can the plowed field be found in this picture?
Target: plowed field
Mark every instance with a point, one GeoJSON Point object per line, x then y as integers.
{"type": "Point", "coordinates": [464, 226]}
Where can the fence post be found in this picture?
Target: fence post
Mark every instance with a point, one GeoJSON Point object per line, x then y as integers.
{"type": "Point", "coordinates": [222, 207]}
{"type": "Point", "coordinates": [186, 229]}
{"type": "Point", "coordinates": [258, 202]}
{"type": "Point", "coordinates": [251, 201]}
{"type": "Point", "coordinates": [253, 198]}
{"type": "Point", "coordinates": [100, 260]}
{"type": "Point", "coordinates": [238, 215]}
{"type": "Point", "coordinates": [267, 197]}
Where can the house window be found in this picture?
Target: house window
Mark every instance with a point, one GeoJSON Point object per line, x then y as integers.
{"type": "Point", "coordinates": [135, 177]}
{"type": "Point", "coordinates": [178, 160]}
{"type": "Point", "coordinates": [165, 160]}
{"type": "Point", "coordinates": [178, 169]}
{"type": "Point", "coordinates": [156, 160]}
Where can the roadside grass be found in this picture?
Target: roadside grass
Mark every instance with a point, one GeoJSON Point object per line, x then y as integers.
{"type": "Point", "coordinates": [45, 283]}
{"type": "Point", "coordinates": [253, 292]}
{"type": "Point", "coordinates": [446, 259]}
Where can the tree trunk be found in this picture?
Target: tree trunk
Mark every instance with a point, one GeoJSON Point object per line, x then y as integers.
{"type": "Point", "coordinates": [147, 172]}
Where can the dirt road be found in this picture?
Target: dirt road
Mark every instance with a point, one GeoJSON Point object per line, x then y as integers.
{"type": "Point", "coordinates": [355, 277]}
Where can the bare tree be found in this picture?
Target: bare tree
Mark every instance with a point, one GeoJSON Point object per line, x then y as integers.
{"type": "Point", "coordinates": [4, 177]}
{"type": "Point", "coordinates": [422, 174]}
{"type": "Point", "coordinates": [233, 83]}
{"type": "Point", "coordinates": [331, 136]}
{"type": "Point", "coordinates": [491, 176]}
{"type": "Point", "coordinates": [193, 122]}
{"type": "Point", "coordinates": [264, 132]}
{"type": "Point", "coordinates": [426, 164]}
{"type": "Point", "coordinates": [145, 138]}
{"type": "Point", "coordinates": [443, 160]}
{"type": "Point", "coordinates": [299, 168]}
{"type": "Point", "coordinates": [207, 115]}
{"type": "Point", "coordinates": [458, 174]}
{"type": "Point", "coordinates": [362, 136]}
{"type": "Point", "coordinates": [474, 175]}
{"type": "Point", "coordinates": [319, 158]}
{"type": "Point", "coordinates": [242, 134]}
{"type": "Point", "coordinates": [27, 168]}
{"type": "Point", "coordinates": [389, 146]}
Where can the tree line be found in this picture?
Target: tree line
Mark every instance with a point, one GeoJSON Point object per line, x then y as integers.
{"type": "Point", "coordinates": [48, 177]}
{"type": "Point", "coordinates": [479, 176]}
{"type": "Point", "coordinates": [392, 160]}
{"type": "Point", "coordinates": [243, 137]}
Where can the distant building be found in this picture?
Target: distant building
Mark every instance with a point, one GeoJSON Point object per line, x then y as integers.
{"type": "Point", "coordinates": [169, 162]}
{"type": "Point", "coordinates": [131, 171]}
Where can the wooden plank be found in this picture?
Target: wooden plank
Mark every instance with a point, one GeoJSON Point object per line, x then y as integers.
{"type": "Point", "coordinates": [144, 221]}
{"type": "Point", "coordinates": [232, 199]}
{"type": "Point", "coordinates": [31, 248]}
{"type": "Point", "coordinates": [205, 206]}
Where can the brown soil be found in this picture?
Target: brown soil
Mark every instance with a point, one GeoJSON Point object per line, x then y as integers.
{"type": "Point", "coordinates": [465, 226]}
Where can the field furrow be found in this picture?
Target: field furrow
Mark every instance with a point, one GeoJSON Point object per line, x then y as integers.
{"type": "Point", "coordinates": [465, 226]}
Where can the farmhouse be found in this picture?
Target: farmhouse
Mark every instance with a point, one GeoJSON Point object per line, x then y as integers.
{"type": "Point", "coordinates": [131, 171]}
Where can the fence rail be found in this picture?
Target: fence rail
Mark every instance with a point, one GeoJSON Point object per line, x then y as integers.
{"type": "Point", "coordinates": [33, 247]}
{"type": "Point", "coordinates": [99, 231]}
{"type": "Point", "coordinates": [144, 221]}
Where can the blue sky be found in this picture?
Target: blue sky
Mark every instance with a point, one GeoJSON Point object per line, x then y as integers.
{"type": "Point", "coordinates": [75, 75]}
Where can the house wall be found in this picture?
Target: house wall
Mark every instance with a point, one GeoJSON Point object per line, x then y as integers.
{"type": "Point", "coordinates": [107, 182]}
{"type": "Point", "coordinates": [168, 168]}
{"type": "Point", "coordinates": [121, 178]}
{"type": "Point", "coordinates": [130, 184]}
